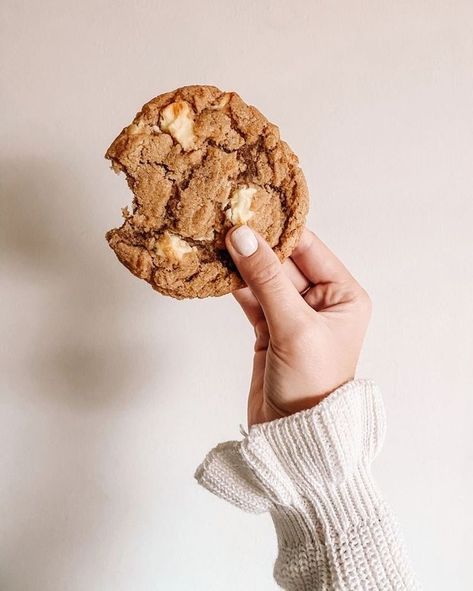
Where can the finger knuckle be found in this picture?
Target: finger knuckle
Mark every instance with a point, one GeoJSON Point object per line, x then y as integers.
{"type": "Point", "coordinates": [305, 241]}
{"type": "Point", "coordinates": [325, 295]}
{"type": "Point", "coordinates": [364, 300]}
{"type": "Point", "coordinates": [261, 329]}
{"type": "Point", "coordinates": [266, 274]}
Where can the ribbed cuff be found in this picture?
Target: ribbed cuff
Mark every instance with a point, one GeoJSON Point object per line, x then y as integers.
{"type": "Point", "coordinates": [325, 444]}
{"type": "Point", "coordinates": [287, 460]}
{"type": "Point", "coordinates": [311, 471]}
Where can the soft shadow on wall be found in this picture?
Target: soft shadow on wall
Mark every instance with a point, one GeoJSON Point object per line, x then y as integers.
{"type": "Point", "coordinates": [82, 349]}
{"type": "Point", "coordinates": [73, 360]}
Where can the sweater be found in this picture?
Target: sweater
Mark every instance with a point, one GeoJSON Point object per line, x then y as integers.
{"type": "Point", "coordinates": [311, 472]}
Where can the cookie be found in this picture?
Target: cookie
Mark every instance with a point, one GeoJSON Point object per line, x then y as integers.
{"type": "Point", "coordinates": [199, 161]}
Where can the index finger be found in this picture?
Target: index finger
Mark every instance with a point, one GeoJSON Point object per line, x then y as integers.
{"type": "Point", "coordinates": [250, 305]}
{"type": "Point", "coordinates": [317, 262]}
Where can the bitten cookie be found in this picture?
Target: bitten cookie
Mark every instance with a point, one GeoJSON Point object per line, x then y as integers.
{"type": "Point", "coordinates": [198, 161]}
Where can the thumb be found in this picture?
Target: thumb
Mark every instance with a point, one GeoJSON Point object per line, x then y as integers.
{"type": "Point", "coordinates": [262, 272]}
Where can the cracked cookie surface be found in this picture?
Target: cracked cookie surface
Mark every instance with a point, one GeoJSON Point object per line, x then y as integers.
{"type": "Point", "coordinates": [199, 160]}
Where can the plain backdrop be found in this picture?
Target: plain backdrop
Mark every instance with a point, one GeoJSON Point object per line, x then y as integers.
{"type": "Point", "coordinates": [112, 394]}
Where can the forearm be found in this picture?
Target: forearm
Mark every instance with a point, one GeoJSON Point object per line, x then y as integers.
{"type": "Point", "coordinates": [311, 471]}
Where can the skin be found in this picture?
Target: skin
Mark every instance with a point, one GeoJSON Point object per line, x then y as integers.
{"type": "Point", "coordinates": [310, 317]}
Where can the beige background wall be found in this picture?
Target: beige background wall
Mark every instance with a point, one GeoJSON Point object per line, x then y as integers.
{"type": "Point", "coordinates": [112, 394]}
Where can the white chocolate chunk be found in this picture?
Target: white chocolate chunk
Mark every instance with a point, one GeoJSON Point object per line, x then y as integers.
{"type": "Point", "coordinates": [240, 211]}
{"type": "Point", "coordinates": [172, 246]}
{"type": "Point", "coordinates": [222, 102]}
{"type": "Point", "coordinates": [177, 120]}
{"type": "Point", "coordinates": [210, 236]}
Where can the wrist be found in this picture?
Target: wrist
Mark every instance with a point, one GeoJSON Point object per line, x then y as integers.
{"type": "Point", "coordinates": [290, 407]}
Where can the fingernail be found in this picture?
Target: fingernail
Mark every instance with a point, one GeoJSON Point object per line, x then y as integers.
{"type": "Point", "coordinates": [244, 241]}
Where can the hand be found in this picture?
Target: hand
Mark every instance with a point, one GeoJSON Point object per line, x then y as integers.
{"type": "Point", "coordinates": [310, 317]}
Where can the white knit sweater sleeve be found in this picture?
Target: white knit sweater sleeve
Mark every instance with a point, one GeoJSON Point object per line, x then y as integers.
{"type": "Point", "coordinates": [311, 471]}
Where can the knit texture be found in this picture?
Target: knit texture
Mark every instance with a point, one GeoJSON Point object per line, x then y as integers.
{"type": "Point", "coordinates": [311, 472]}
